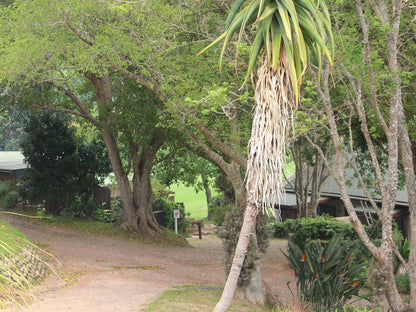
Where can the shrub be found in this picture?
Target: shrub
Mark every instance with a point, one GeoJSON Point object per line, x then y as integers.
{"type": "Point", "coordinates": [327, 273]}
{"type": "Point", "coordinates": [9, 195]}
{"type": "Point", "coordinates": [218, 209]}
{"type": "Point", "coordinates": [292, 225]}
{"type": "Point", "coordinates": [166, 208]}
{"type": "Point", "coordinates": [403, 283]}
{"type": "Point", "coordinates": [322, 227]}
{"type": "Point", "coordinates": [404, 249]}
{"type": "Point", "coordinates": [85, 208]}
{"type": "Point", "coordinates": [280, 230]}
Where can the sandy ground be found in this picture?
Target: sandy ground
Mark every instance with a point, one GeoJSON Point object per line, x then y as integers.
{"type": "Point", "coordinates": [98, 274]}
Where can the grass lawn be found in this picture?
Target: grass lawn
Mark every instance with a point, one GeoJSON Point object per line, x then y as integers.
{"type": "Point", "coordinates": [197, 298]}
{"type": "Point", "coordinates": [195, 203]}
{"type": "Point", "coordinates": [11, 240]}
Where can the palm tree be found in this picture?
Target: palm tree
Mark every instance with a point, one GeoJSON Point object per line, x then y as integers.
{"type": "Point", "coordinates": [288, 34]}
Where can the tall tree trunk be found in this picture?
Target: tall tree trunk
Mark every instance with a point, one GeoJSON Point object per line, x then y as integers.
{"type": "Point", "coordinates": [408, 160]}
{"type": "Point", "coordinates": [274, 102]}
{"type": "Point", "coordinates": [238, 261]}
{"type": "Point", "coordinates": [207, 193]}
{"type": "Point", "coordinates": [128, 217]}
{"type": "Point", "coordinates": [232, 170]}
{"type": "Point", "coordinates": [142, 187]}
{"type": "Point", "coordinates": [103, 98]}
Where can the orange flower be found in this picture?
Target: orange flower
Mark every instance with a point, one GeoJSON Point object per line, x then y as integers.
{"type": "Point", "coordinates": [342, 275]}
{"type": "Point", "coordinates": [322, 259]}
{"type": "Point", "coordinates": [316, 276]}
{"type": "Point", "coordinates": [303, 258]}
{"type": "Point", "coordinates": [355, 284]}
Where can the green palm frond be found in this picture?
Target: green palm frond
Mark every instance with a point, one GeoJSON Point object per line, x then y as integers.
{"type": "Point", "coordinates": [301, 27]}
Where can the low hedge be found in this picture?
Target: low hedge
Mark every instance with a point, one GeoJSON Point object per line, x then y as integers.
{"type": "Point", "coordinates": [321, 227]}
{"type": "Point", "coordinates": [324, 228]}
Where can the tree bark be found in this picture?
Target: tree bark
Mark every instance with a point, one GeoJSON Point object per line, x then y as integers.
{"type": "Point", "coordinates": [103, 98]}
{"type": "Point", "coordinates": [207, 193]}
{"type": "Point", "coordinates": [137, 204]}
{"type": "Point", "coordinates": [232, 169]}
{"type": "Point", "coordinates": [383, 254]}
{"type": "Point", "coordinates": [142, 187]}
{"type": "Point", "coordinates": [408, 157]}
{"type": "Point", "coordinates": [128, 217]}
{"type": "Point", "coordinates": [242, 245]}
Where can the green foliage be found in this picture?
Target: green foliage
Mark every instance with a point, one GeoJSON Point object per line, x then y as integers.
{"type": "Point", "coordinates": [106, 215]}
{"type": "Point", "coordinates": [63, 171]}
{"type": "Point", "coordinates": [165, 209]}
{"type": "Point", "coordinates": [327, 273]}
{"type": "Point", "coordinates": [275, 31]}
{"type": "Point", "coordinates": [9, 194]}
{"type": "Point", "coordinates": [280, 230]}
{"type": "Point", "coordinates": [321, 227]}
{"type": "Point", "coordinates": [16, 289]}
{"type": "Point", "coordinates": [11, 125]}
{"type": "Point", "coordinates": [218, 209]}
{"type": "Point", "coordinates": [230, 234]}
{"type": "Point", "coordinates": [404, 249]}
{"type": "Point", "coordinates": [324, 228]}
{"type": "Point", "coordinates": [403, 283]}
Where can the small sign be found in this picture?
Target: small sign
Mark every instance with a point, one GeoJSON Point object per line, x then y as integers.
{"type": "Point", "coordinates": [176, 214]}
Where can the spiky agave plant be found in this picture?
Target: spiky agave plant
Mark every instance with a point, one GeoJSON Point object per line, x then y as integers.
{"type": "Point", "coordinates": [287, 34]}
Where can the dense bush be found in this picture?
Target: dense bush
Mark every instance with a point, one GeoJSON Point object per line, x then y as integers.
{"type": "Point", "coordinates": [165, 209]}
{"type": "Point", "coordinates": [64, 169]}
{"type": "Point", "coordinates": [404, 249]}
{"type": "Point", "coordinates": [328, 273]}
{"type": "Point", "coordinates": [109, 215]}
{"type": "Point", "coordinates": [280, 230]}
{"type": "Point", "coordinates": [324, 228]}
{"type": "Point", "coordinates": [403, 283]}
{"type": "Point", "coordinates": [9, 195]}
{"type": "Point", "coordinates": [218, 209]}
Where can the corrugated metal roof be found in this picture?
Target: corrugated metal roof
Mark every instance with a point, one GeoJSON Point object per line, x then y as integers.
{"type": "Point", "coordinates": [330, 188]}
{"type": "Point", "coordinates": [10, 161]}
{"type": "Point", "coordinates": [289, 199]}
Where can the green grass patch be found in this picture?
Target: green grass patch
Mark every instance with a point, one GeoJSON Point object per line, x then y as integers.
{"type": "Point", "coordinates": [195, 202]}
{"type": "Point", "coordinates": [197, 298]}
{"type": "Point", "coordinates": [11, 240]}
{"type": "Point", "coordinates": [164, 237]}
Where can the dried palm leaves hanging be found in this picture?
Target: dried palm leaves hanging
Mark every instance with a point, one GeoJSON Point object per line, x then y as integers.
{"type": "Point", "coordinates": [272, 119]}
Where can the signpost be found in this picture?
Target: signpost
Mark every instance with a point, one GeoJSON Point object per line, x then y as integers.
{"type": "Point", "coordinates": [176, 216]}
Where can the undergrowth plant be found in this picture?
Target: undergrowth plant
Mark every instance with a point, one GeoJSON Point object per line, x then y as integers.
{"type": "Point", "coordinates": [327, 273]}
{"type": "Point", "coordinates": [16, 280]}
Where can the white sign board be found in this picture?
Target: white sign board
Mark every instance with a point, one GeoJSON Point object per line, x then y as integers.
{"type": "Point", "coordinates": [176, 214]}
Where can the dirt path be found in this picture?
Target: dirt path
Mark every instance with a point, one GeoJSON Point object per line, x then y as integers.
{"type": "Point", "coordinates": [99, 273]}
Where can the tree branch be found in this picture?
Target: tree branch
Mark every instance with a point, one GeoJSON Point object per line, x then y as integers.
{"type": "Point", "coordinates": [240, 159]}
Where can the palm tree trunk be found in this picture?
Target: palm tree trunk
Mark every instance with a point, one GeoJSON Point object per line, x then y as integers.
{"type": "Point", "coordinates": [274, 103]}
{"type": "Point", "coordinates": [240, 251]}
